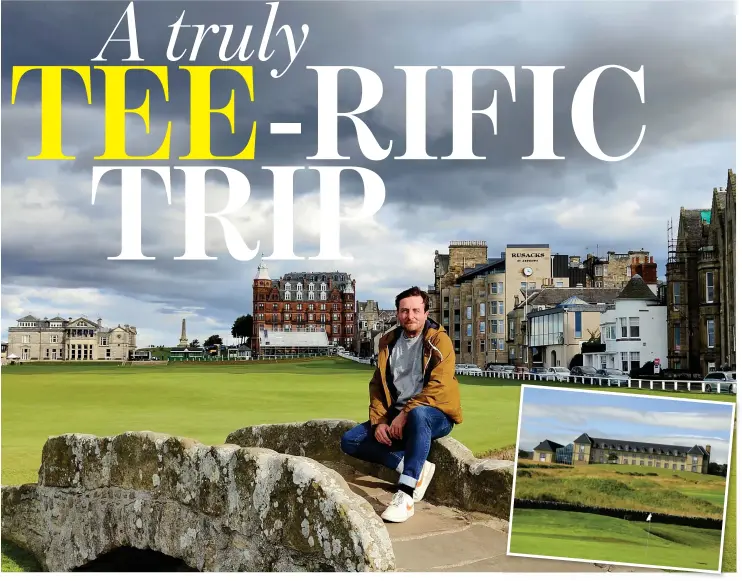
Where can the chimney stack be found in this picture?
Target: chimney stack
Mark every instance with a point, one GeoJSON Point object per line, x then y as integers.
{"type": "Point", "coordinates": [708, 450]}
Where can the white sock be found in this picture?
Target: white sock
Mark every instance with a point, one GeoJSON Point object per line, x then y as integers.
{"type": "Point", "coordinates": [400, 466]}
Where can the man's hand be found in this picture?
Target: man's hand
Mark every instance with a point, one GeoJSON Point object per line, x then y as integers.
{"type": "Point", "coordinates": [382, 434]}
{"type": "Point", "coordinates": [397, 426]}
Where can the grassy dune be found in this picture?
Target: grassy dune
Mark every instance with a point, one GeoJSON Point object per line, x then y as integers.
{"type": "Point", "coordinates": [620, 486]}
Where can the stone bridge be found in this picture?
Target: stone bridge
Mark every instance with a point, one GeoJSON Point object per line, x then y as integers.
{"type": "Point", "coordinates": [272, 498]}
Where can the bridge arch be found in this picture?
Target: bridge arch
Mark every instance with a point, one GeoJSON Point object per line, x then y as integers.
{"type": "Point", "coordinates": [215, 508]}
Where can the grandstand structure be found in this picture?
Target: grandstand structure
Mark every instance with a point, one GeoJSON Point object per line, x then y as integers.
{"type": "Point", "coordinates": [281, 344]}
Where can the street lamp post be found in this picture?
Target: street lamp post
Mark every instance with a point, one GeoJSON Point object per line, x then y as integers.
{"type": "Point", "coordinates": [527, 272]}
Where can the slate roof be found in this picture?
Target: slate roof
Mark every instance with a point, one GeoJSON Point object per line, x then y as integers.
{"type": "Point", "coordinates": [493, 264]}
{"type": "Point", "coordinates": [547, 446]}
{"type": "Point", "coordinates": [641, 447]}
{"type": "Point", "coordinates": [637, 289]}
{"type": "Point", "coordinates": [553, 296]}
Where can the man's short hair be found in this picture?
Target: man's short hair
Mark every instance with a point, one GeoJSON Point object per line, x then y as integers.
{"type": "Point", "coordinates": [413, 291]}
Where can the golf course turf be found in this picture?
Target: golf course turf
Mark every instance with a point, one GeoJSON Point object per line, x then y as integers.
{"type": "Point", "coordinates": [207, 401]}
{"type": "Point", "coordinates": [594, 537]}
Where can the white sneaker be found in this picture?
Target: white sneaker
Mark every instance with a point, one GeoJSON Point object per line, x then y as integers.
{"type": "Point", "coordinates": [422, 483]}
{"type": "Point", "coordinates": [400, 508]}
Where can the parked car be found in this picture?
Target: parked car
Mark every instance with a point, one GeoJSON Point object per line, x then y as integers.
{"type": "Point", "coordinates": [542, 374]}
{"type": "Point", "coordinates": [583, 371]}
{"type": "Point", "coordinates": [560, 373]}
{"type": "Point", "coordinates": [724, 381]}
{"type": "Point", "coordinates": [467, 369]}
{"type": "Point", "coordinates": [613, 377]}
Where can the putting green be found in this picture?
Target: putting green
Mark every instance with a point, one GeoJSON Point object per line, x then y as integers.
{"type": "Point", "coordinates": [594, 537]}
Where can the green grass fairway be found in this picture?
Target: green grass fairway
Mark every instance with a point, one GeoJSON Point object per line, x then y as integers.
{"type": "Point", "coordinates": [625, 486]}
{"type": "Point", "coordinates": [593, 537]}
{"type": "Point", "coordinates": [208, 401]}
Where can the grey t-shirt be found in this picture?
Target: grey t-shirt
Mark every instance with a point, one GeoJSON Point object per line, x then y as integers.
{"type": "Point", "coordinates": [407, 368]}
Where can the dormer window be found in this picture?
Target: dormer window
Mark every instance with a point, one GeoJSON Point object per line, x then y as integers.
{"type": "Point", "coordinates": [323, 287]}
{"type": "Point", "coordinates": [299, 286]}
{"type": "Point", "coordinates": [311, 286]}
{"type": "Point", "coordinates": [299, 295]}
{"type": "Point", "coordinates": [323, 296]}
{"type": "Point", "coordinates": [287, 296]}
{"type": "Point", "coordinates": [288, 286]}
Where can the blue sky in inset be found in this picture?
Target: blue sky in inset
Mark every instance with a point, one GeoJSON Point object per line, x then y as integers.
{"type": "Point", "coordinates": [561, 415]}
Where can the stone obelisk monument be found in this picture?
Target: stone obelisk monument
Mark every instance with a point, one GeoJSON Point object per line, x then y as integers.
{"type": "Point", "coordinates": [183, 338]}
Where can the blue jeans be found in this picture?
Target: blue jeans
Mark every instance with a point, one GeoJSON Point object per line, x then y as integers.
{"type": "Point", "coordinates": [424, 424]}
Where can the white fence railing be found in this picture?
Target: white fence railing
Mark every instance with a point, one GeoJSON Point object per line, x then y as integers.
{"type": "Point", "coordinates": [652, 384]}
{"type": "Point", "coordinates": [522, 375]}
{"type": "Point", "coordinates": [349, 357]}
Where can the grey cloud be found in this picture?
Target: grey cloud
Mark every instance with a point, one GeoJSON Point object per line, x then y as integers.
{"type": "Point", "coordinates": [670, 39]}
{"type": "Point", "coordinates": [688, 57]}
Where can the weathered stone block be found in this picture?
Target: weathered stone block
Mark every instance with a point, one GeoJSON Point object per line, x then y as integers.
{"type": "Point", "coordinates": [460, 480]}
{"type": "Point", "coordinates": [218, 508]}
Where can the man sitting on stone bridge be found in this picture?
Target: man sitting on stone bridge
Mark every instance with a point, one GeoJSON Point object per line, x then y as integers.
{"type": "Point", "coordinates": [415, 399]}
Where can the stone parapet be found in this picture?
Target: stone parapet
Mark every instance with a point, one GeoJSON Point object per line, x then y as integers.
{"type": "Point", "coordinates": [460, 481]}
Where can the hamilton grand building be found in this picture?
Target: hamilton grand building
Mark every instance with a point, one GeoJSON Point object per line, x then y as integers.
{"type": "Point", "coordinates": [473, 293]}
{"type": "Point", "coordinates": [305, 302]}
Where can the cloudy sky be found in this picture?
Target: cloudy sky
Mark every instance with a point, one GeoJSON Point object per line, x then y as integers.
{"type": "Point", "coordinates": [561, 415]}
{"type": "Point", "coordinates": [55, 242]}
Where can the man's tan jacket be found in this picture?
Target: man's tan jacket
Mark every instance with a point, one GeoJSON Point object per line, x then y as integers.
{"type": "Point", "coordinates": [440, 386]}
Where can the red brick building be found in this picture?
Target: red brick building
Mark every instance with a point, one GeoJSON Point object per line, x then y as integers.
{"type": "Point", "coordinates": [305, 301]}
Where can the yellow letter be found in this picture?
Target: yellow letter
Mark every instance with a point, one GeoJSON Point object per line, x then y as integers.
{"type": "Point", "coordinates": [116, 111]}
{"type": "Point", "coordinates": [51, 105]}
{"type": "Point", "coordinates": [201, 113]}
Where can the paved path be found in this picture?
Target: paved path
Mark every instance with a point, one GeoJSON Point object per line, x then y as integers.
{"type": "Point", "coordinates": [440, 538]}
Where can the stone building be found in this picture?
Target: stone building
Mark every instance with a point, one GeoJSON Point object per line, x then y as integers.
{"type": "Point", "coordinates": [80, 339]}
{"type": "Point", "coordinates": [473, 293]}
{"type": "Point", "coordinates": [701, 285]}
{"type": "Point", "coordinates": [305, 301]}
{"type": "Point", "coordinates": [371, 321]}
{"type": "Point", "coordinates": [616, 269]}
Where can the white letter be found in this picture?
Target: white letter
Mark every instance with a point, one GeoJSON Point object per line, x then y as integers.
{"type": "Point", "coordinates": [283, 213]}
{"type": "Point", "coordinates": [543, 112]}
{"type": "Point", "coordinates": [582, 111]}
{"type": "Point", "coordinates": [195, 213]}
{"type": "Point", "coordinates": [463, 111]}
{"type": "Point", "coordinates": [327, 113]}
{"type": "Point", "coordinates": [374, 193]}
{"type": "Point", "coordinates": [293, 51]}
{"type": "Point", "coordinates": [131, 206]}
{"type": "Point", "coordinates": [176, 26]}
{"type": "Point", "coordinates": [132, 39]}
{"type": "Point", "coordinates": [415, 116]}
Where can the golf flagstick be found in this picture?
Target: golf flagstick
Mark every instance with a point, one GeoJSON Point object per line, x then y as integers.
{"type": "Point", "coordinates": [649, 520]}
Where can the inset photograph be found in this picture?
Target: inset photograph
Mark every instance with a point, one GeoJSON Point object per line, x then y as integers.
{"type": "Point", "coordinates": [621, 479]}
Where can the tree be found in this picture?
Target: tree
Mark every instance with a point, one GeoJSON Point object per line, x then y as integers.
{"type": "Point", "coordinates": [242, 328]}
{"type": "Point", "coordinates": [594, 336]}
{"type": "Point", "coordinates": [213, 340]}
{"type": "Point", "coordinates": [195, 344]}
